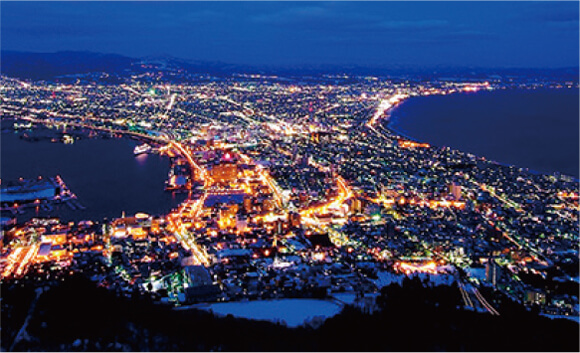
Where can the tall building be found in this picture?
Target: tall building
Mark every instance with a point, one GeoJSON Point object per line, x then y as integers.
{"type": "Point", "coordinates": [455, 190]}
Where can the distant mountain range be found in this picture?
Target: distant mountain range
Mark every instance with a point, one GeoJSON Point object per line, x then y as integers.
{"type": "Point", "coordinates": [46, 66]}
{"type": "Point", "coordinates": [38, 66]}
{"type": "Point", "coordinates": [49, 66]}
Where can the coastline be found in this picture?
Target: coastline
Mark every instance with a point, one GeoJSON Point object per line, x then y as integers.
{"type": "Point", "coordinates": [113, 180]}
{"type": "Point", "coordinates": [393, 118]}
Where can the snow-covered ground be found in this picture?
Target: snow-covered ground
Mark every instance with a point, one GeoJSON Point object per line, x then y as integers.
{"type": "Point", "coordinates": [346, 297]}
{"type": "Point", "coordinates": [573, 318]}
{"type": "Point", "coordinates": [292, 312]}
{"type": "Point", "coordinates": [476, 272]}
{"type": "Point", "coordinates": [438, 279]}
{"type": "Point", "coordinates": [386, 278]}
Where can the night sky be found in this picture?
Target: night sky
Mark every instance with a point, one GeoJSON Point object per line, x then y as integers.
{"type": "Point", "coordinates": [481, 34]}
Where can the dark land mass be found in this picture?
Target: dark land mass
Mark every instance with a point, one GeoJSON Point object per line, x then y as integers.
{"type": "Point", "coordinates": [39, 66]}
{"type": "Point", "coordinates": [75, 316]}
{"type": "Point", "coordinates": [57, 65]}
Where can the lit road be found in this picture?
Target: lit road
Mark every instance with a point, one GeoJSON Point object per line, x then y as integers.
{"type": "Point", "coordinates": [506, 201]}
{"type": "Point", "coordinates": [384, 106]}
{"type": "Point", "coordinates": [344, 193]}
{"type": "Point", "coordinates": [98, 128]}
{"type": "Point", "coordinates": [267, 180]}
{"type": "Point", "coordinates": [308, 215]}
{"type": "Point", "coordinates": [465, 295]}
{"type": "Point", "coordinates": [501, 226]}
{"type": "Point", "coordinates": [484, 302]}
{"type": "Point", "coordinates": [19, 260]}
{"type": "Point", "coordinates": [195, 167]}
{"type": "Point", "coordinates": [13, 261]}
{"type": "Point", "coordinates": [187, 239]}
{"type": "Point", "coordinates": [175, 219]}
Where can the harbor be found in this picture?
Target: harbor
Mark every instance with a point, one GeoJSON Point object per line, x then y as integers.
{"type": "Point", "coordinates": [37, 193]}
{"type": "Point", "coordinates": [103, 172]}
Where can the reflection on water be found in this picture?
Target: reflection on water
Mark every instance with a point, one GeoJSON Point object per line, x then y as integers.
{"type": "Point", "coordinates": [105, 175]}
{"type": "Point", "coordinates": [141, 159]}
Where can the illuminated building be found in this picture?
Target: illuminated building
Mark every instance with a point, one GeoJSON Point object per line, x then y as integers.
{"type": "Point", "coordinates": [226, 170]}
{"type": "Point", "coordinates": [534, 296]}
{"type": "Point", "coordinates": [248, 204]}
{"type": "Point", "coordinates": [412, 144]}
{"type": "Point", "coordinates": [356, 205]}
{"type": "Point", "coordinates": [131, 226]}
{"type": "Point", "coordinates": [226, 216]}
{"type": "Point", "coordinates": [268, 205]}
{"type": "Point", "coordinates": [455, 190]}
{"type": "Point", "coordinates": [55, 239]}
{"type": "Point", "coordinates": [412, 267]}
{"type": "Point", "coordinates": [241, 223]}
{"type": "Point", "coordinates": [294, 219]}
{"type": "Point", "coordinates": [43, 253]}
{"type": "Point", "coordinates": [155, 226]}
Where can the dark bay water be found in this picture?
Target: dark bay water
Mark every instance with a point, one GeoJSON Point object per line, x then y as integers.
{"type": "Point", "coordinates": [105, 175]}
{"type": "Point", "coordinates": [535, 129]}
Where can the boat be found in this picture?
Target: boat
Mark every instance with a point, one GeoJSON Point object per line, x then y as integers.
{"type": "Point", "coordinates": [144, 148]}
{"type": "Point", "coordinates": [27, 125]}
{"type": "Point", "coordinates": [67, 139]}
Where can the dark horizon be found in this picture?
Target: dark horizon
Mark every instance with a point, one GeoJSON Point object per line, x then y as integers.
{"type": "Point", "coordinates": [287, 66]}
{"type": "Point", "coordinates": [371, 34]}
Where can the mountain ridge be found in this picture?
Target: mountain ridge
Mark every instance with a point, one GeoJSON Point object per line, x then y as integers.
{"type": "Point", "coordinates": [47, 66]}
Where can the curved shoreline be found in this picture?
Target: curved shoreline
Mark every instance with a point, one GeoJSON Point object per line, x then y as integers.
{"type": "Point", "coordinates": [392, 117]}
{"type": "Point", "coordinates": [112, 180]}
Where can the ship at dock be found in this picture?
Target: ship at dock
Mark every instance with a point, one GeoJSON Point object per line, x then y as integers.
{"type": "Point", "coordinates": [144, 148]}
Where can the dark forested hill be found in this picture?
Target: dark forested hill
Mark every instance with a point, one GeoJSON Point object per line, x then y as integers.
{"type": "Point", "coordinates": [77, 316]}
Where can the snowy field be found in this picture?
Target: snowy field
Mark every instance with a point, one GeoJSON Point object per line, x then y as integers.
{"type": "Point", "coordinates": [386, 277]}
{"type": "Point", "coordinates": [346, 297]}
{"type": "Point", "coordinates": [478, 273]}
{"type": "Point", "coordinates": [292, 312]}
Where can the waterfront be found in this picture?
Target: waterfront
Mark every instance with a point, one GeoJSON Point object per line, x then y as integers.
{"type": "Point", "coordinates": [105, 175]}
{"type": "Point", "coordinates": [535, 129]}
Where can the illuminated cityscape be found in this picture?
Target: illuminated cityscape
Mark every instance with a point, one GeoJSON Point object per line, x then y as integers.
{"type": "Point", "coordinates": [293, 188]}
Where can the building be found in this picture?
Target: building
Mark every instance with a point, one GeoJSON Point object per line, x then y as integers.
{"type": "Point", "coordinates": [226, 170]}
{"type": "Point", "coordinates": [535, 296]}
{"type": "Point", "coordinates": [198, 284]}
{"type": "Point", "coordinates": [493, 272]}
{"type": "Point", "coordinates": [28, 191]}
{"type": "Point", "coordinates": [294, 219]}
{"type": "Point", "coordinates": [455, 190]}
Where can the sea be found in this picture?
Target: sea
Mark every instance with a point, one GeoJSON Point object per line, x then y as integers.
{"type": "Point", "coordinates": [106, 176]}
{"type": "Point", "coordinates": [534, 129]}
